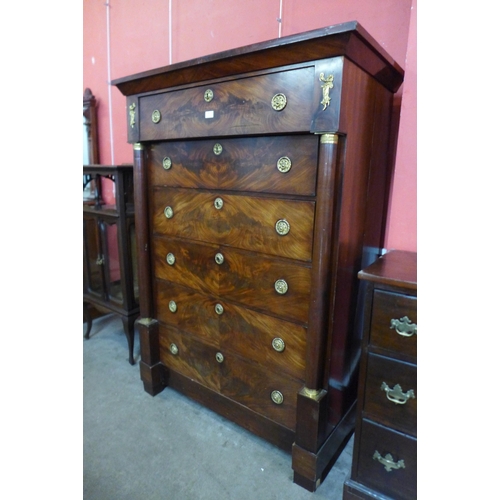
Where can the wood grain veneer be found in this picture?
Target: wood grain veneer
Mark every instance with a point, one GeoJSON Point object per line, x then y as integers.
{"type": "Point", "coordinates": [283, 365]}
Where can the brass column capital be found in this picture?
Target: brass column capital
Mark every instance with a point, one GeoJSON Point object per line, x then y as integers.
{"type": "Point", "coordinates": [329, 139]}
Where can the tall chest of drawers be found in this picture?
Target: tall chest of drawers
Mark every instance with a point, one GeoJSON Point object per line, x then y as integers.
{"type": "Point", "coordinates": [385, 444]}
{"type": "Point", "coordinates": [260, 179]}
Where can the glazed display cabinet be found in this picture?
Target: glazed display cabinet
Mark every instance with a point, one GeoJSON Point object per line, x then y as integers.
{"type": "Point", "coordinates": [260, 187]}
{"type": "Point", "coordinates": [110, 278]}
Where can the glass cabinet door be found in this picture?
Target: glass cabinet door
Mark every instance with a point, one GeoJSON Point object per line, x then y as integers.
{"type": "Point", "coordinates": [112, 270]}
{"type": "Point", "coordinates": [92, 255]}
{"type": "Point", "coordinates": [133, 252]}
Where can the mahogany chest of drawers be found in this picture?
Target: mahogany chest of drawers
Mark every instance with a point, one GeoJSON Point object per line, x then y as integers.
{"type": "Point", "coordinates": [260, 178]}
{"type": "Point", "coordinates": [385, 442]}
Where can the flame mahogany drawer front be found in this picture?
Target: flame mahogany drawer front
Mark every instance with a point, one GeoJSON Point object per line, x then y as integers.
{"type": "Point", "coordinates": [260, 179]}
{"type": "Point", "coordinates": [272, 103]}
{"type": "Point", "coordinates": [263, 338]}
{"type": "Point", "coordinates": [261, 390]}
{"type": "Point", "coordinates": [249, 278]}
{"type": "Point", "coordinates": [385, 440]}
{"type": "Point", "coordinates": [245, 222]}
{"type": "Point", "coordinates": [283, 164]}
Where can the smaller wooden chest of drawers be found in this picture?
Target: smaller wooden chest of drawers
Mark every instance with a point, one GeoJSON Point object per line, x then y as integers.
{"type": "Point", "coordinates": [385, 443]}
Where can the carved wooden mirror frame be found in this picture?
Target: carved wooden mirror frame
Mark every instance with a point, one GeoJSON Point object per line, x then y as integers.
{"type": "Point", "coordinates": [90, 144]}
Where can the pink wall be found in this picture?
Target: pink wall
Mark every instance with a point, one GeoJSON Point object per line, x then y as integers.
{"type": "Point", "coordinates": [122, 38]}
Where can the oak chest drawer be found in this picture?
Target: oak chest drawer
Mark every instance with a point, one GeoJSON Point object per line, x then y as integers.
{"type": "Point", "coordinates": [272, 226]}
{"type": "Point", "coordinates": [282, 164]}
{"type": "Point", "coordinates": [270, 103]}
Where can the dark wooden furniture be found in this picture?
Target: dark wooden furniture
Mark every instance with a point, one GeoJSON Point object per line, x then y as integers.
{"type": "Point", "coordinates": [385, 441]}
{"type": "Point", "coordinates": [91, 143]}
{"type": "Point", "coordinates": [110, 281]}
{"type": "Point", "coordinates": [260, 179]}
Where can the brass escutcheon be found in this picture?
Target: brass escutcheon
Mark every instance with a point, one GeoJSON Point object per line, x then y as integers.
{"type": "Point", "coordinates": [218, 203]}
{"type": "Point", "coordinates": [281, 286]}
{"type": "Point", "coordinates": [169, 212]}
{"type": "Point", "coordinates": [278, 102]}
{"type": "Point", "coordinates": [219, 258]}
{"type": "Point", "coordinates": [219, 357]}
{"type": "Point", "coordinates": [219, 309]}
{"type": "Point", "coordinates": [404, 326]}
{"type": "Point", "coordinates": [277, 397]}
{"type": "Point", "coordinates": [396, 394]}
{"type": "Point", "coordinates": [284, 164]}
{"type": "Point", "coordinates": [217, 149]}
{"type": "Point", "coordinates": [282, 227]}
{"type": "Point", "coordinates": [172, 306]}
{"type": "Point", "coordinates": [209, 95]}
{"type": "Point", "coordinates": [156, 116]}
{"type": "Point", "coordinates": [174, 349]}
{"type": "Point", "coordinates": [167, 163]}
{"type": "Point", "coordinates": [170, 259]}
{"type": "Point", "coordinates": [278, 344]}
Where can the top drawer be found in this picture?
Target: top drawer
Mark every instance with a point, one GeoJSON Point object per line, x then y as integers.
{"type": "Point", "coordinates": [272, 103]}
{"type": "Point", "coordinates": [394, 323]}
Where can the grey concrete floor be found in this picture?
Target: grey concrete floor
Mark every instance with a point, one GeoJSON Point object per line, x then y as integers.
{"type": "Point", "coordinates": [168, 447]}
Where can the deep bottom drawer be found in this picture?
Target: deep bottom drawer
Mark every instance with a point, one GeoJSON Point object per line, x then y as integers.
{"type": "Point", "coordinates": [387, 461]}
{"type": "Point", "coordinates": [267, 393]}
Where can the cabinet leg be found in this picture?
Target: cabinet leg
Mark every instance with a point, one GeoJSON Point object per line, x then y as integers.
{"type": "Point", "coordinates": [88, 317]}
{"type": "Point", "coordinates": [128, 327]}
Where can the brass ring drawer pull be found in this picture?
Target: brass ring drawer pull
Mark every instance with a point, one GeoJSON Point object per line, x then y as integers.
{"type": "Point", "coordinates": [278, 344]}
{"type": "Point", "coordinates": [278, 102]}
{"type": "Point", "coordinates": [284, 164]}
{"type": "Point", "coordinates": [219, 357]}
{"type": "Point", "coordinates": [277, 397]}
{"type": "Point", "coordinates": [396, 394]}
{"type": "Point", "coordinates": [219, 258]}
{"type": "Point", "coordinates": [169, 212]}
{"type": "Point", "coordinates": [388, 461]}
{"type": "Point", "coordinates": [174, 349]}
{"type": "Point", "coordinates": [156, 116]}
{"type": "Point", "coordinates": [282, 227]}
{"type": "Point", "coordinates": [281, 286]}
{"type": "Point", "coordinates": [170, 259]}
{"type": "Point", "coordinates": [166, 162]}
{"type": "Point", "coordinates": [404, 326]}
{"type": "Point", "coordinates": [172, 306]}
{"type": "Point", "coordinates": [219, 309]}
{"type": "Point", "coordinates": [217, 149]}
{"type": "Point", "coordinates": [218, 203]}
